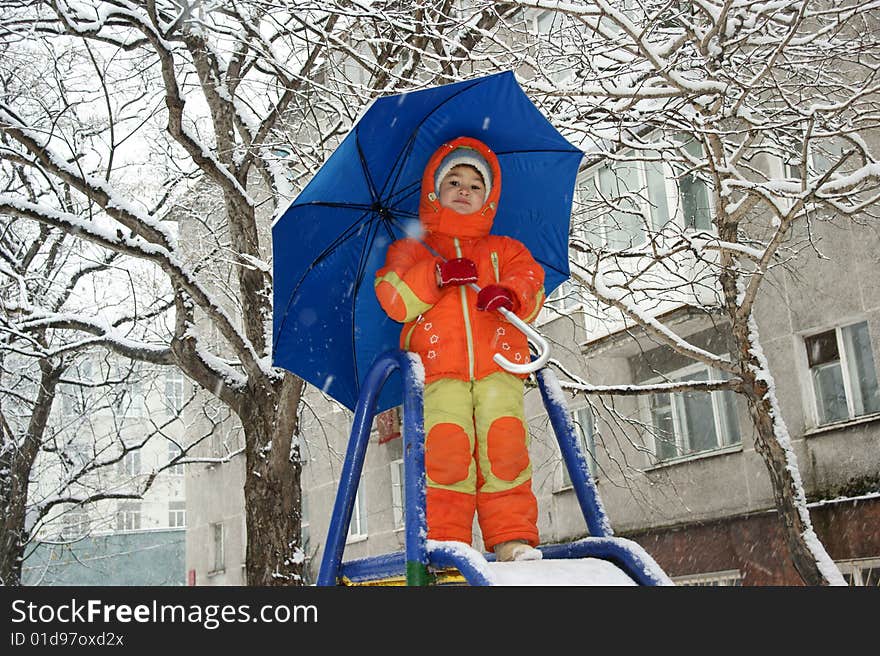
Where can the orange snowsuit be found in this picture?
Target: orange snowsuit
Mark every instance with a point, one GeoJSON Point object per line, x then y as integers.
{"type": "Point", "coordinates": [476, 445]}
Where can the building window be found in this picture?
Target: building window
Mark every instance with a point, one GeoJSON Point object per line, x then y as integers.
{"type": "Point", "coordinates": [542, 22]}
{"type": "Point", "coordinates": [566, 297]}
{"type": "Point", "coordinates": [584, 427]}
{"type": "Point", "coordinates": [843, 375]}
{"type": "Point", "coordinates": [76, 397]}
{"type": "Point", "coordinates": [822, 154]}
{"type": "Point", "coordinates": [728, 578]}
{"type": "Point", "coordinates": [177, 514]}
{"type": "Point", "coordinates": [173, 391]}
{"type": "Point", "coordinates": [625, 200]}
{"type": "Point", "coordinates": [130, 465]}
{"type": "Point", "coordinates": [861, 572]}
{"type": "Point", "coordinates": [217, 548]}
{"type": "Point", "coordinates": [128, 516]}
{"type": "Point", "coordinates": [686, 423]}
{"type": "Point", "coordinates": [127, 395]}
{"type": "Point", "coordinates": [357, 529]}
{"type": "Point", "coordinates": [174, 451]}
{"type": "Point", "coordinates": [78, 454]}
{"type": "Point", "coordinates": [693, 193]}
{"type": "Point", "coordinates": [398, 503]}
{"type": "Point", "coordinates": [74, 524]}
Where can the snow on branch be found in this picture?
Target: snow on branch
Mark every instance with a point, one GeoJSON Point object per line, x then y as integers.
{"type": "Point", "coordinates": [104, 335]}
{"type": "Point", "coordinates": [92, 187]}
{"type": "Point", "coordinates": [138, 247]}
{"type": "Point", "coordinates": [616, 296]}
{"type": "Point", "coordinates": [731, 385]}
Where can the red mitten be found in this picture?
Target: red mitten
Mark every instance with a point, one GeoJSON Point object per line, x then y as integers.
{"type": "Point", "coordinates": [457, 271]}
{"type": "Point", "coordinates": [492, 297]}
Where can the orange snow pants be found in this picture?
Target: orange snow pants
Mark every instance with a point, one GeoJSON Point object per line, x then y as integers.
{"type": "Point", "coordinates": [477, 460]}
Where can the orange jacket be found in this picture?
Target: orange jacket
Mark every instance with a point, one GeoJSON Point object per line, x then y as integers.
{"type": "Point", "coordinates": [453, 338]}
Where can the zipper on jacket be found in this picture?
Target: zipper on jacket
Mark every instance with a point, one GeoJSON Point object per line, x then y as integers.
{"type": "Point", "coordinates": [494, 257]}
{"type": "Point", "coordinates": [467, 317]}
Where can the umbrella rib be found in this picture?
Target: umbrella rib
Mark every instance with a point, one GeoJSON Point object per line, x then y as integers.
{"type": "Point", "coordinates": [361, 271]}
{"type": "Point", "coordinates": [404, 192]}
{"type": "Point", "coordinates": [372, 185]}
{"type": "Point", "coordinates": [322, 203]}
{"type": "Point", "coordinates": [332, 246]}
{"type": "Point", "coordinates": [397, 167]}
{"type": "Point", "coordinates": [440, 104]}
{"type": "Point", "coordinates": [410, 143]}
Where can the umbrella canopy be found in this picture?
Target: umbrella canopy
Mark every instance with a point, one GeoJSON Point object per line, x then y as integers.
{"type": "Point", "coordinates": [331, 240]}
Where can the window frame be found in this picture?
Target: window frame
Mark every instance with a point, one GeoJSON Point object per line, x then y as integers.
{"type": "Point", "coordinates": [129, 516]}
{"type": "Point", "coordinates": [398, 495]}
{"type": "Point", "coordinates": [674, 212]}
{"type": "Point", "coordinates": [718, 416]}
{"type": "Point", "coordinates": [817, 162]}
{"type": "Point", "coordinates": [845, 365]}
{"type": "Point", "coordinates": [853, 569]}
{"type": "Point", "coordinates": [130, 465]}
{"type": "Point", "coordinates": [357, 527]}
{"type": "Point", "coordinates": [175, 383]}
{"type": "Point", "coordinates": [177, 469]}
{"type": "Point", "coordinates": [726, 578]}
{"type": "Point", "coordinates": [75, 523]}
{"type": "Point", "coordinates": [218, 547]}
{"type": "Point", "coordinates": [76, 399]}
{"type": "Point", "coordinates": [566, 298]}
{"type": "Point", "coordinates": [587, 448]}
{"type": "Point", "coordinates": [177, 514]}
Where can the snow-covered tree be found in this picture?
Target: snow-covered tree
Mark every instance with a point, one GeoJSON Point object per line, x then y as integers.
{"type": "Point", "coordinates": [74, 414]}
{"type": "Point", "coordinates": [765, 116]}
{"type": "Point", "coordinates": [122, 113]}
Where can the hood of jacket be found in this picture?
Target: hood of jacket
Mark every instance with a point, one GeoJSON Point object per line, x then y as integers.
{"type": "Point", "coordinates": [445, 220]}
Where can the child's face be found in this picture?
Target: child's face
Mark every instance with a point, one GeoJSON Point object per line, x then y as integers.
{"type": "Point", "coordinates": [462, 190]}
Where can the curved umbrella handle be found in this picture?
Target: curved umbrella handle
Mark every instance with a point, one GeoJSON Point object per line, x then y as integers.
{"type": "Point", "coordinates": [538, 339]}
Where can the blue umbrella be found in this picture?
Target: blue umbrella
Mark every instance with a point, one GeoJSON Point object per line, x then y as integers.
{"type": "Point", "coordinates": [328, 244]}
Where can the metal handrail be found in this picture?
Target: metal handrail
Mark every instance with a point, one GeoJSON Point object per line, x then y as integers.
{"type": "Point", "coordinates": [414, 476]}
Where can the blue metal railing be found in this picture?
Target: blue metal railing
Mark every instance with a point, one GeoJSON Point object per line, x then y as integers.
{"type": "Point", "coordinates": [628, 556]}
{"type": "Point", "coordinates": [573, 456]}
{"type": "Point", "coordinates": [414, 468]}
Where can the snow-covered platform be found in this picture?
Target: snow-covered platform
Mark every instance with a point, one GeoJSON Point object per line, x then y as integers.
{"type": "Point", "coordinates": [580, 572]}
{"type": "Point", "coordinates": [601, 561]}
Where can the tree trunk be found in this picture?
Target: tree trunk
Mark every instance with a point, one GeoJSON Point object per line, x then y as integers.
{"type": "Point", "coordinates": [13, 496]}
{"type": "Point", "coordinates": [773, 443]}
{"type": "Point", "coordinates": [272, 489]}
{"type": "Point", "coordinates": [17, 461]}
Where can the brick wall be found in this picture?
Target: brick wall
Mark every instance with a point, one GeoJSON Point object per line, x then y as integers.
{"type": "Point", "coordinates": [755, 545]}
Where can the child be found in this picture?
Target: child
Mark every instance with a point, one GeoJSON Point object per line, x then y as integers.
{"type": "Point", "coordinates": [476, 444]}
